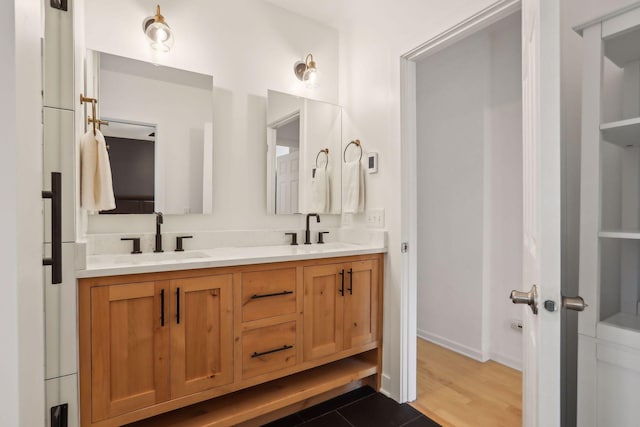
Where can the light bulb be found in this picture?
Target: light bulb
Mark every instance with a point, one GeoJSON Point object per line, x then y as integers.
{"type": "Point", "coordinates": [310, 78]}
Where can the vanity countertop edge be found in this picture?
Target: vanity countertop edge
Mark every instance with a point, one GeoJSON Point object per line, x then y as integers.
{"type": "Point", "coordinates": [222, 257]}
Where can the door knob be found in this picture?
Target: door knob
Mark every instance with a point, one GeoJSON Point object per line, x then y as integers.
{"type": "Point", "coordinates": [574, 303]}
{"type": "Point", "coordinates": [530, 298]}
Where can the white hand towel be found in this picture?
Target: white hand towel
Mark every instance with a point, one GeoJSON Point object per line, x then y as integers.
{"type": "Point", "coordinates": [353, 187]}
{"type": "Point", "coordinates": [321, 191]}
{"type": "Point", "coordinates": [96, 188]}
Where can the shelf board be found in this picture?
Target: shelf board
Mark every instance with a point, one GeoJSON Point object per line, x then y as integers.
{"type": "Point", "coordinates": [624, 48]}
{"type": "Point", "coordinates": [621, 328]}
{"type": "Point", "coordinates": [620, 234]}
{"type": "Point", "coordinates": [250, 403]}
{"type": "Point", "coordinates": [623, 132]}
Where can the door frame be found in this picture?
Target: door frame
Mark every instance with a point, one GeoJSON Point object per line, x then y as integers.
{"type": "Point", "coordinates": [409, 207]}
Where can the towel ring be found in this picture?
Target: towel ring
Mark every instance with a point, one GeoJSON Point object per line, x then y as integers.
{"type": "Point", "coordinates": [326, 153]}
{"type": "Point", "coordinates": [357, 143]}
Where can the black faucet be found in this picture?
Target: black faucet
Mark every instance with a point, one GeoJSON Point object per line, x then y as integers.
{"type": "Point", "coordinates": [307, 233]}
{"type": "Point", "coordinates": [158, 247]}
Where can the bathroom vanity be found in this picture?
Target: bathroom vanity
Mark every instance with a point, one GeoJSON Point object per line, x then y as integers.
{"type": "Point", "coordinates": [227, 337]}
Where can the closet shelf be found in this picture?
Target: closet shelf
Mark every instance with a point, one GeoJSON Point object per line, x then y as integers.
{"type": "Point", "coordinates": [620, 234]}
{"type": "Point", "coordinates": [621, 328]}
{"type": "Point", "coordinates": [624, 48]}
{"type": "Point", "coordinates": [623, 132]}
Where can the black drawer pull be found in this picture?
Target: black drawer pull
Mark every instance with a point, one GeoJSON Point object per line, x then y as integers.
{"type": "Point", "coordinates": [275, 350]}
{"type": "Point", "coordinates": [342, 282]}
{"type": "Point", "coordinates": [350, 289]}
{"type": "Point", "coordinates": [256, 296]}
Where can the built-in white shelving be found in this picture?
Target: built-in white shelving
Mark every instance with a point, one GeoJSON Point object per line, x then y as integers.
{"type": "Point", "coordinates": [620, 234]}
{"type": "Point", "coordinates": [623, 48]}
{"type": "Point", "coordinates": [623, 132]}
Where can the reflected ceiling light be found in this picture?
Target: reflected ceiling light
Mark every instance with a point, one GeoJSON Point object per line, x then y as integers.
{"type": "Point", "coordinates": [307, 72]}
{"type": "Point", "coordinates": [158, 33]}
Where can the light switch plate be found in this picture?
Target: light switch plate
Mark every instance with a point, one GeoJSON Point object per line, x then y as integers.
{"type": "Point", "coordinates": [375, 218]}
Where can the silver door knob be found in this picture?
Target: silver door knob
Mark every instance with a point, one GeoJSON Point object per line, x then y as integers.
{"type": "Point", "coordinates": [574, 303]}
{"type": "Point", "coordinates": [530, 298]}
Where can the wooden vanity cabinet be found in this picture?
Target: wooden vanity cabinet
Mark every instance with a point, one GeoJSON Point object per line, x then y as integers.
{"type": "Point", "coordinates": [201, 333]}
{"type": "Point", "coordinates": [129, 348]}
{"type": "Point", "coordinates": [340, 307]}
{"type": "Point", "coordinates": [243, 341]}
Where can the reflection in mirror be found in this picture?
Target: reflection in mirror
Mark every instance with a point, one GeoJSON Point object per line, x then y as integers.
{"type": "Point", "coordinates": [303, 161]}
{"type": "Point", "coordinates": [131, 154]}
{"type": "Point", "coordinates": [287, 164]}
{"type": "Point", "coordinates": [179, 104]}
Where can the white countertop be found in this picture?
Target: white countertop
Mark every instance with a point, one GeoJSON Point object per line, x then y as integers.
{"type": "Point", "coordinates": [119, 264]}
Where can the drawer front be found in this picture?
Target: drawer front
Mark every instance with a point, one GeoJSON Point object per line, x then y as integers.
{"type": "Point", "coordinates": [268, 349]}
{"type": "Point", "coordinates": [268, 293]}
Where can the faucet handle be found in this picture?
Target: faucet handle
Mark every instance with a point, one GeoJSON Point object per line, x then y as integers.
{"type": "Point", "coordinates": [294, 238]}
{"type": "Point", "coordinates": [136, 244]}
{"type": "Point", "coordinates": [321, 236]}
{"type": "Point", "coordinates": [179, 240]}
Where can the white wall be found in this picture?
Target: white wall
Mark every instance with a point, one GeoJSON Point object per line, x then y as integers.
{"type": "Point", "coordinates": [470, 193]}
{"type": "Point", "coordinates": [248, 46]}
{"type": "Point", "coordinates": [8, 218]}
{"type": "Point", "coordinates": [452, 91]}
{"type": "Point", "coordinates": [21, 305]}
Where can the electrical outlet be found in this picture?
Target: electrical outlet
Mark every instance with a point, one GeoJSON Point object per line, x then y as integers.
{"type": "Point", "coordinates": [375, 218]}
{"type": "Point", "coordinates": [347, 219]}
{"type": "Point", "coordinates": [516, 325]}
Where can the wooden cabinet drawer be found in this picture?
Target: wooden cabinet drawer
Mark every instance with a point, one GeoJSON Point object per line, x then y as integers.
{"type": "Point", "coordinates": [268, 349]}
{"type": "Point", "coordinates": [268, 293]}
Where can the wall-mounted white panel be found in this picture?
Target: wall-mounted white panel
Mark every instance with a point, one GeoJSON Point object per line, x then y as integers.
{"type": "Point", "coordinates": [60, 317]}
{"type": "Point", "coordinates": [58, 73]}
{"type": "Point", "coordinates": [59, 156]}
{"type": "Point", "coordinates": [59, 391]}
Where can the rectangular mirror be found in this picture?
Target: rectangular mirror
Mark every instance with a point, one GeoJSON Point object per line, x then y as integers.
{"type": "Point", "coordinates": [174, 105]}
{"type": "Point", "coordinates": [304, 169]}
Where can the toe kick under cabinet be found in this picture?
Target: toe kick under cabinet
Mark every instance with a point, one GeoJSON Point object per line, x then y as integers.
{"type": "Point", "coordinates": [227, 345]}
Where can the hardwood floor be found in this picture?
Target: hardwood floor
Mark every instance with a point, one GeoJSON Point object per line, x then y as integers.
{"type": "Point", "coordinates": [455, 390]}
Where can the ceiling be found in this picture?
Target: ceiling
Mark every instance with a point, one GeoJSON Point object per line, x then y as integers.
{"type": "Point", "coordinates": [326, 12]}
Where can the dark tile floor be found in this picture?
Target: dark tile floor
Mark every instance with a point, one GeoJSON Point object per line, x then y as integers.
{"type": "Point", "coordinates": [362, 407]}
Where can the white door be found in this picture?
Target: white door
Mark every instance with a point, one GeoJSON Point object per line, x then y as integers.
{"type": "Point", "coordinates": [288, 177]}
{"type": "Point", "coordinates": [541, 209]}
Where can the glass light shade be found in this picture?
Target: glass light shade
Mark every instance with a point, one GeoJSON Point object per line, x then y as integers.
{"type": "Point", "coordinates": [160, 36]}
{"type": "Point", "coordinates": [310, 78]}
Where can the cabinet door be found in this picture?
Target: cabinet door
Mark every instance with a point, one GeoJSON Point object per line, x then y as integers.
{"type": "Point", "coordinates": [129, 348]}
{"type": "Point", "coordinates": [323, 304]}
{"type": "Point", "coordinates": [201, 334]}
{"type": "Point", "coordinates": [361, 304]}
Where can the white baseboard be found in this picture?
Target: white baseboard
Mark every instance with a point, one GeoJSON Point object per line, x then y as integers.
{"type": "Point", "coordinates": [507, 361]}
{"type": "Point", "coordinates": [452, 345]}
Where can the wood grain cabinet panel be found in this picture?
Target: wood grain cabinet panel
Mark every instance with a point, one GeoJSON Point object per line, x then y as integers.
{"type": "Point", "coordinates": [340, 307]}
{"type": "Point", "coordinates": [201, 334]}
{"type": "Point", "coordinates": [268, 293]}
{"type": "Point", "coordinates": [129, 349]}
{"type": "Point", "coordinates": [268, 349]}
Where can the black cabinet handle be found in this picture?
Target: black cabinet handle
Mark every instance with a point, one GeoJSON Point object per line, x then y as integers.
{"type": "Point", "coordinates": [275, 350]}
{"type": "Point", "coordinates": [342, 280]}
{"type": "Point", "coordinates": [178, 306]}
{"type": "Point", "coordinates": [350, 281]}
{"type": "Point", "coordinates": [162, 307]}
{"type": "Point", "coordinates": [56, 227]}
{"type": "Point", "coordinates": [256, 296]}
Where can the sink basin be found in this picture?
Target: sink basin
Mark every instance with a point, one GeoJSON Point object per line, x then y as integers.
{"type": "Point", "coordinates": [147, 258]}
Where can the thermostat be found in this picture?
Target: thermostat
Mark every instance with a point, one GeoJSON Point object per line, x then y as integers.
{"type": "Point", "coordinates": [372, 162]}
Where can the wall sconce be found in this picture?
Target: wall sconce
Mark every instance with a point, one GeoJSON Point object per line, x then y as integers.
{"type": "Point", "coordinates": [307, 72]}
{"type": "Point", "coordinates": [158, 33]}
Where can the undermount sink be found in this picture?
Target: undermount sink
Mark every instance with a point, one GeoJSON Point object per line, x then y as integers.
{"type": "Point", "coordinates": [148, 257]}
